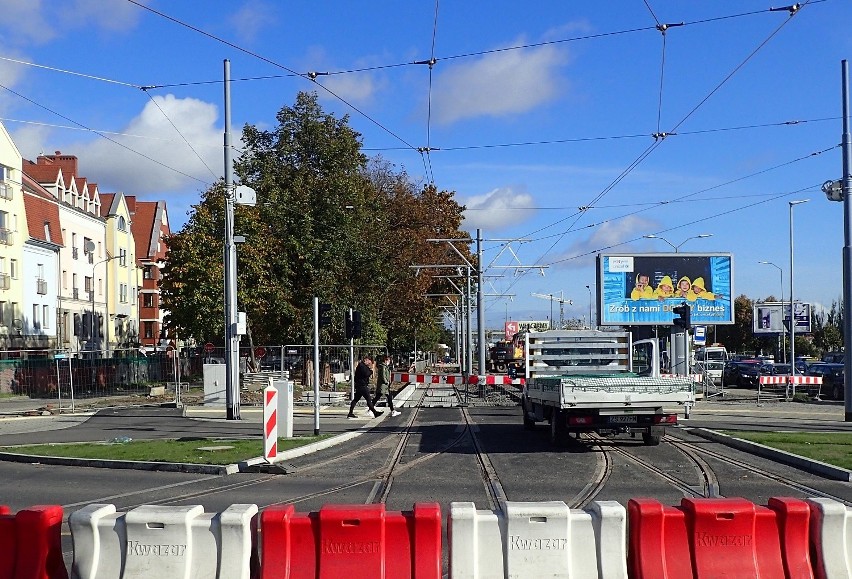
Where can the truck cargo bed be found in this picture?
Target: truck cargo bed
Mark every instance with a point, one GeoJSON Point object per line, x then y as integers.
{"type": "Point", "coordinates": [601, 390]}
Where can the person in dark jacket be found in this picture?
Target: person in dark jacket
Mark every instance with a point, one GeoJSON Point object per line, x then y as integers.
{"type": "Point", "coordinates": [363, 371]}
{"type": "Point", "coordinates": [383, 381]}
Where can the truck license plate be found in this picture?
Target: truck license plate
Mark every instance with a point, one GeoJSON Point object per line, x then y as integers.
{"type": "Point", "coordinates": [622, 419]}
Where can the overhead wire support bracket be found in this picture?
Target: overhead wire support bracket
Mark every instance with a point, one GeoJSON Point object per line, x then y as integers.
{"type": "Point", "coordinates": [792, 8]}
{"type": "Point", "coordinates": [314, 74]}
{"type": "Point", "coordinates": [431, 62]}
{"type": "Point", "coordinates": [664, 27]}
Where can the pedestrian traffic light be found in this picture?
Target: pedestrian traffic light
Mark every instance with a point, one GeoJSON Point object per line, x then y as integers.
{"type": "Point", "coordinates": [683, 311]}
{"type": "Point", "coordinates": [324, 315]}
{"type": "Point", "coordinates": [356, 324]}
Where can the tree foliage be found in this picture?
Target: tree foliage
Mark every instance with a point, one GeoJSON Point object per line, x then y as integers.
{"type": "Point", "coordinates": [330, 222]}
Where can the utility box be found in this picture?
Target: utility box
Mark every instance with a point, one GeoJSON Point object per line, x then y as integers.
{"type": "Point", "coordinates": [214, 384]}
{"type": "Point", "coordinates": [285, 407]}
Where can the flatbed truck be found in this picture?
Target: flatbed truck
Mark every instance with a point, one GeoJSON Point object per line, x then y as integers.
{"type": "Point", "coordinates": [599, 381]}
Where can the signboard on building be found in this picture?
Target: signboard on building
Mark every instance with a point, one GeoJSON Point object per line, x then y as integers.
{"type": "Point", "coordinates": [699, 335]}
{"type": "Point", "coordinates": [769, 318]}
{"type": "Point", "coordinates": [642, 289]}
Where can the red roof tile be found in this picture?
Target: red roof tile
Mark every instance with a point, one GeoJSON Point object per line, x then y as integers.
{"type": "Point", "coordinates": [41, 210]}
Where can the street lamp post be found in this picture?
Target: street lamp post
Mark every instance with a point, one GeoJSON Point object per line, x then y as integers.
{"type": "Point", "coordinates": [792, 299]}
{"type": "Point", "coordinates": [783, 329]}
{"type": "Point", "coordinates": [677, 247]}
{"type": "Point", "coordinates": [92, 292]}
{"type": "Point", "coordinates": [588, 287]}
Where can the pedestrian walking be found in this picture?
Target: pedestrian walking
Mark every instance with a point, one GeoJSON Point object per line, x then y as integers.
{"type": "Point", "coordinates": [363, 371]}
{"type": "Point", "coordinates": [383, 380]}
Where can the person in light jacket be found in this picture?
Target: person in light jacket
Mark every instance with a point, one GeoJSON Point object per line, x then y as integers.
{"type": "Point", "coordinates": [383, 381]}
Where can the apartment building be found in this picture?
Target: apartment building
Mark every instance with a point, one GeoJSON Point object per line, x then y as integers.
{"type": "Point", "coordinates": [81, 301]}
{"type": "Point", "coordinates": [40, 271]}
{"type": "Point", "coordinates": [150, 225]}
{"type": "Point", "coordinates": [123, 274]}
{"type": "Point", "coordinates": [14, 321]}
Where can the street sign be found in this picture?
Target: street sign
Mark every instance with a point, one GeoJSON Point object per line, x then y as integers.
{"type": "Point", "coordinates": [699, 336]}
{"type": "Point", "coordinates": [209, 347]}
{"type": "Point", "coordinates": [60, 356]}
{"type": "Point", "coordinates": [259, 352]}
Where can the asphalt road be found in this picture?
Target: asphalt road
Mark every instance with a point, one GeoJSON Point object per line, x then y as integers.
{"type": "Point", "coordinates": [437, 461]}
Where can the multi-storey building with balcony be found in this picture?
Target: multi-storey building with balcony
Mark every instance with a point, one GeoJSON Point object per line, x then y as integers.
{"type": "Point", "coordinates": [81, 303]}
{"type": "Point", "coordinates": [123, 273]}
{"type": "Point", "coordinates": [14, 321]}
{"type": "Point", "coordinates": [150, 225]}
{"type": "Point", "coordinates": [40, 271]}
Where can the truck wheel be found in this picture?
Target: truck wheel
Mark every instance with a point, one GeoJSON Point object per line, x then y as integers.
{"type": "Point", "coordinates": [558, 432]}
{"type": "Point", "coordinates": [651, 439]}
{"type": "Point", "coordinates": [529, 424]}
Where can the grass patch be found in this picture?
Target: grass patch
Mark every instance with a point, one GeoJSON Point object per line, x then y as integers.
{"type": "Point", "coordinates": [829, 447]}
{"type": "Point", "coordinates": [164, 450]}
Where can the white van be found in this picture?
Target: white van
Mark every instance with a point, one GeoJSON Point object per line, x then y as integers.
{"type": "Point", "coordinates": [712, 359]}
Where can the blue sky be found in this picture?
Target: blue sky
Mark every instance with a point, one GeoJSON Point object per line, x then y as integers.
{"type": "Point", "coordinates": [531, 111]}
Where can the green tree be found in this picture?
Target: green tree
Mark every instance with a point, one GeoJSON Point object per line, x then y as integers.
{"type": "Point", "coordinates": [739, 337]}
{"type": "Point", "coordinates": [330, 223]}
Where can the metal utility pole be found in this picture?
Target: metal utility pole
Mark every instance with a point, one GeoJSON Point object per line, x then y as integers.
{"type": "Point", "coordinates": [480, 303]}
{"type": "Point", "coordinates": [847, 247]}
{"type": "Point", "coordinates": [232, 339]}
{"type": "Point", "coordinates": [317, 368]}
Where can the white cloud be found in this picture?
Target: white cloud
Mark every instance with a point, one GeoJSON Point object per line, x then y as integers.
{"type": "Point", "coordinates": [38, 22]}
{"type": "Point", "coordinates": [609, 236]}
{"type": "Point", "coordinates": [359, 88]}
{"type": "Point", "coordinates": [251, 19]}
{"type": "Point", "coordinates": [498, 208]}
{"type": "Point", "coordinates": [162, 164]}
{"type": "Point", "coordinates": [498, 84]}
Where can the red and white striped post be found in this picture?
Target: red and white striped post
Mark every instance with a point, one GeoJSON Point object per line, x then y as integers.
{"type": "Point", "coordinates": [270, 422]}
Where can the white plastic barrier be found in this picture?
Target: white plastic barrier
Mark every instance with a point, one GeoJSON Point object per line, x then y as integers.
{"type": "Point", "coordinates": [831, 538]}
{"type": "Point", "coordinates": [158, 541]}
{"type": "Point", "coordinates": [538, 539]}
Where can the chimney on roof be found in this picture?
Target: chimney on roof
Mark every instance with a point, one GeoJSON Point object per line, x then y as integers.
{"type": "Point", "coordinates": [68, 163]}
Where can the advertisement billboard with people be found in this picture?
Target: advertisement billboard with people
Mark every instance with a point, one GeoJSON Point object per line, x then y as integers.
{"type": "Point", "coordinates": [643, 289]}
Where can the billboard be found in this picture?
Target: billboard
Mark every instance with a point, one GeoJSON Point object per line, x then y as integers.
{"type": "Point", "coordinates": [512, 328]}
{"type": "Point", "coordinates": [642, 289]}
{"type": "Point", "coordinates": [769, 317]}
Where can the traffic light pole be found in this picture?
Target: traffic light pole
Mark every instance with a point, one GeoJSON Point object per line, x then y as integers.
{"type": "Point", "coordinates": [316, 368]}
{"type": "Point", "coordinates": [351, 360]}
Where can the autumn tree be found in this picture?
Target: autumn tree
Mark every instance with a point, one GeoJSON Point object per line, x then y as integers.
{"type": "Point", "coordinates": [329, 222]}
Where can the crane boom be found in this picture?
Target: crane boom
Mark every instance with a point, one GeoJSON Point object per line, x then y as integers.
{"type": "Point", "coordinates": [554, 298]}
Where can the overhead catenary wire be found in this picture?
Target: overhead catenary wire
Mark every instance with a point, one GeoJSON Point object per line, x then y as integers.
{"type": "Point", "coordinates": [650, 149]}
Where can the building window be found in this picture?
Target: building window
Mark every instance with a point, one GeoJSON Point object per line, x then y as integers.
{"type": "Point", "coordinates": [122, 290]}
{"type": "Point", "coordinates": [122, 223]}
{"type": "Point", "coordinates": [87, 284]}
{"type": "Point", "coordinates": [13, 269]}
{"type": "Point", "coordinates": [47, 231]}
{"type": "Point", "coordinates": [4, 318]}
{"type": "Point", "coordinates": [149, 329]}
{"type": "Point", "coordinates": [122, 257]}
{"type": "Point", "coordinates": [148, 300]}
{"type": "Point", "coordinates": [45, 317]}
{"type": "Point", "coordinates": [36, 316]}
{"type": "Point", "coordinates": [64, 279]}
{"type": "Point", "coordinates": [148, 272]}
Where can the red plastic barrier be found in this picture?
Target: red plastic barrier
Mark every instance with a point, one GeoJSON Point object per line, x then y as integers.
{"type": "Point", "coordinates": [30, 543]}
{"type": "Point", "coordinates": [351, 541]}
{"type": "Point", "coordinates": [714, 538]}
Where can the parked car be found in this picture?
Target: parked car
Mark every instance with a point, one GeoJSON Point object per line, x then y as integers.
{"type": "Point", "coordinates": [744, 373]}
{"type": "Point", "coordinates": [784, 370]}
{"type": "Point", "coordinates": [832, 379]}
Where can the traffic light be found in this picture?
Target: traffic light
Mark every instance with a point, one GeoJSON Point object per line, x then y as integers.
{"type": "Point", "coordinates": [683, 311]}
{"type": "Point", "coordinates": [356, 324]}
{"type": "Point", "coordinates": [324, 315]}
